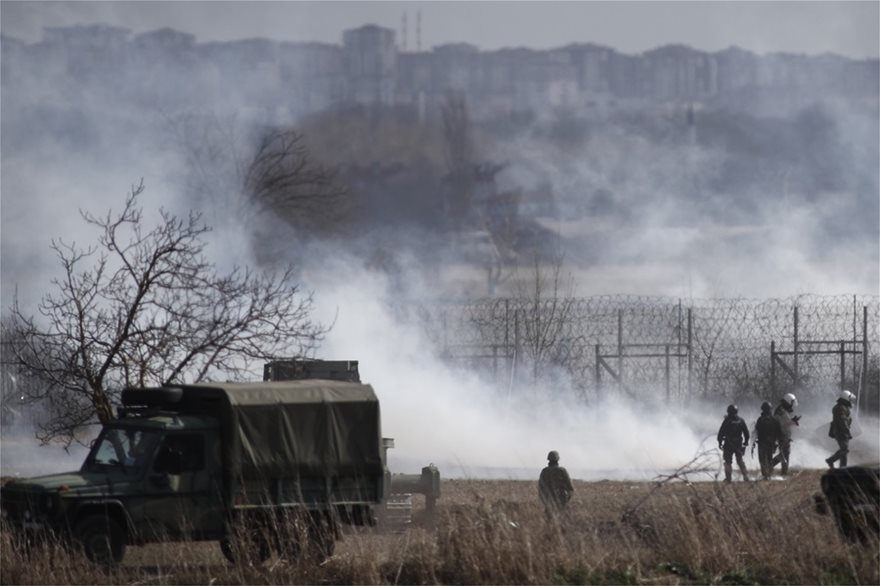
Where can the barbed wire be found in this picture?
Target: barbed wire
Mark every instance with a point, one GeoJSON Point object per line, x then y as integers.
{"type": "Point", "coordinates": [701, 346]}
{"type": "Point", "coordinates": [728, 340]}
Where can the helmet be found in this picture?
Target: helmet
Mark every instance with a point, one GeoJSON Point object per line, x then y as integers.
{"type": "Point", "coordinates": [847, 396]}
{"type": "Point", "coordinates": [732, 410]}
{"type": "Point", "coordinates": [553, 456]}
{"type": "Point", "coordinates": [790, 399]}
{"type": "Point", "coordinates": [766, 407]}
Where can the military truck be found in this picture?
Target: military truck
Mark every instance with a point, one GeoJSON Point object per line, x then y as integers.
{"type": "Point", "coordinates": [396, 512]}
{"type": "Point", "coordinates": [257, 466]}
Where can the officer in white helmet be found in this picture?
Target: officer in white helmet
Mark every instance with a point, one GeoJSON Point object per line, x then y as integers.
{"type": "Point", "coordinates": [784, 413]}
{"type": "Point", "coordinates": [840, 427]}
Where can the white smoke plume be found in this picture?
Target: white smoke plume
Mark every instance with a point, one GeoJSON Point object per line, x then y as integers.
{"type": "Point", "coordinates": [435, 412]}
{"type": "Point", "coordinates": [468, 427]}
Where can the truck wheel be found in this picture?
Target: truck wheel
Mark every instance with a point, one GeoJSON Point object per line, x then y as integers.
{"type": "Point", "coordinates": [250, 548]}
{"type": "Point", "coordinates": [102, 539]}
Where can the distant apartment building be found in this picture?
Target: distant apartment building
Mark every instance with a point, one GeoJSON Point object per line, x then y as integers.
{"type": "Point", "coordinates": [676, 72]}
{"type": "Point", "coordinates": [89, 52]}
{"type": "Point", "coordinates": [370, 68]}
{"type": "Point", "coordinates": [311, 75]}
{"type": "Point", "coordinates": [370, 64]}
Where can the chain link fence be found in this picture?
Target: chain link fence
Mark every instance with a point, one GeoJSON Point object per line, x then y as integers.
{"type": "Point", "coordinates": [684, 348]}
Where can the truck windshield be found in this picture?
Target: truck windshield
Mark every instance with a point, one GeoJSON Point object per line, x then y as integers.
{"type": "Point", "coordinates": [123, 448]}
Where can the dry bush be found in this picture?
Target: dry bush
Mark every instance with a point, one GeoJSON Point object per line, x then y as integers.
{"type": "Point", "coordinates": [495, 532]}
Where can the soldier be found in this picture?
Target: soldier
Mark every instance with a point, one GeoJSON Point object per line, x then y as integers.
{"type": "Point", "coordinates": [840, 428]}
{"type": "Point", "coordinates": [554, 486]}
{"type": "Point", "coordinates": [787, 422]}
{"type": "Point", "coordinates": [733, 438]}
{"type": "Point", "coordinates": [767, 432]}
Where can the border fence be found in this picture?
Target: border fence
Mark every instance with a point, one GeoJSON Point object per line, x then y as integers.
{"type": "Point", "coordinates": [682, 349]}
{"type": "Point", "coordinates": [672, 349]}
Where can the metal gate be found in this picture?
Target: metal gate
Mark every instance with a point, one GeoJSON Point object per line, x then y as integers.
{"type": "Point", "coordinates": [855, 348]}
{"type": "Point", "coordinates": [680, 348]}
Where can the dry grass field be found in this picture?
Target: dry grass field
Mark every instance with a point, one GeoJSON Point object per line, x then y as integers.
{"type": "Point", "coordinates": [494, 532]}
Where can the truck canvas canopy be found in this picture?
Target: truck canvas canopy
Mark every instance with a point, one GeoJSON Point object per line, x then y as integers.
{"type": "Point", "coordinates": [314, 427]}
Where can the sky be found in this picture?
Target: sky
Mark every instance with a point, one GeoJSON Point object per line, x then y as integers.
{"type": "Point", "coordinates": [847, 28]}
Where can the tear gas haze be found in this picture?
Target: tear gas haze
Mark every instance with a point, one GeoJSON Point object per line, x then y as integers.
{"type": "Point", "coordinates": [469, 427]}
{"type": "Point", "coordinates": [755, 194]}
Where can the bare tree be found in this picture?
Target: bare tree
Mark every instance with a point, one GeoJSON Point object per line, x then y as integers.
{"type": "Point", "coordinates": [545, 321]}
{"type": "Point", "coordinates": [211, 149]}
{"type": "Point", "coordinates": [473, 195]}
{"type": "Point", "coordinates": [250, 170]}
{"type": "Point", "coordinates": [502, 223]}
{"type": "Point", "coordinates": [281, 177]}
{"type": "Point", "coordinates": [460, 157]}
{"type": "Point", "coordinates": [10, 380]}
{"type": "Point", "coordinates": [143, 306]}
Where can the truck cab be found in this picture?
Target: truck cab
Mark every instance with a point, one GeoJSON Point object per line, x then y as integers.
{"type": "Point", "coordinates": [144, 479]}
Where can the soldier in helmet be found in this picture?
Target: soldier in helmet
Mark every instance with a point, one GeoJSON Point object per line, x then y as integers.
{"type": "Point", "coordinates": [787, 422]}
{"type": "Point", "coordinates": [840, 428]}
{"type": "Point", "coordinates": [554, 486]}
{"type": "Point", "coordinates": [767, 433]}
{"type": "Point", "coordinates": [733, 438]}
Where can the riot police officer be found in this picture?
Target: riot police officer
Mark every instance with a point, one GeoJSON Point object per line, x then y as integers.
{"type": "Point", "coordinates": [840, 428]}
{"type": "Point", "coordinates": [733, 437]}
{"type": "Point", "coordinates": [767, 434]}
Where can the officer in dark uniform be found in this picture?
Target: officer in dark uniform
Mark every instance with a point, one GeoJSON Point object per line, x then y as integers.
{"type": "Point", "coordinates": [554, 486]}
{"type": "Point", "coordinates": [733, 438]}
{"type": "Point", "coordinates": [767, 433]}
{"type": "Point", "coordinates": [840, 428]}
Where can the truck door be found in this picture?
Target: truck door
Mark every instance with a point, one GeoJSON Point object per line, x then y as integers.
{"type": "Point", "coordinates": [184, 485]}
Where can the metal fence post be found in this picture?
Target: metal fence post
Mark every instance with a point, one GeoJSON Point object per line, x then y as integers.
{"type": "Point", "coordinates": [667, 374]}
{"type": "Point", "coordinates": [507, 331]}
{"type": "Point", "coordinates": [797, 373]}
{"type": "Point", "coordinates": [863, 388]}
{"type": "Point", "coordinates": [690, 359]}
{"type": "Point", "coordinates": [773, 367]}
{"type": "Point", "coordinates": [620, 344]}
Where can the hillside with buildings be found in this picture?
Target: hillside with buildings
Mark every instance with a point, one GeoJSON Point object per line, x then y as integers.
{"type": "Point", "coordinates": [368, 67]}
{"type": "Point", "coordinates": [671, 157]}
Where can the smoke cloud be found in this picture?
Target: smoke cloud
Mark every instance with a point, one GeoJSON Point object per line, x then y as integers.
{"type": "Point", "coordinates": [469, 427]}
{"type": "Point", "coordinates": [646, 205]}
